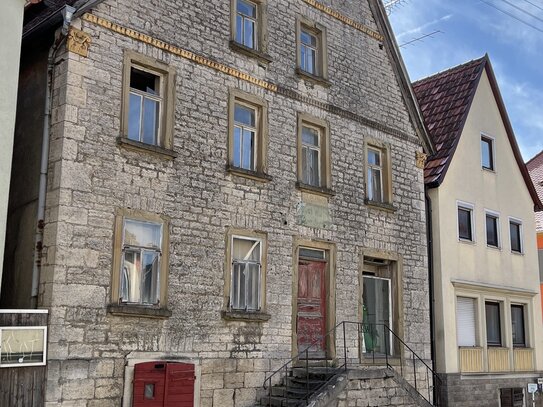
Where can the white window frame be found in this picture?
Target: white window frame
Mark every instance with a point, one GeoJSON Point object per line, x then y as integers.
{"type": "Point", "coordinates": [309, 31]}
{"type": "Point", "coordinates": [260, 273]}
{"type": "Point", "coordinates": [475, 300]}
{"type": "Point", "coordinates": [17, 328]}
{"type": "Point", "coordinates": [317, 148]}
{"type": "Point", "coordinates": [518, 222]}
{"type": "Point", "coordinates": [255, 21]}
{"type": "Point", "coordinates": [376, 167]}
{"type": "Point", "coordinates": [258, 112]}
{"type": "Point", "coordinates": [471, 208]}
{"type": "Point", "coordinates": [494, 214]}
{"type": "Point", "coordinates": [493, 151]}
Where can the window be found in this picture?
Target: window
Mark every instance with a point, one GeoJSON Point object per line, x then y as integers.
{"type": "Point", "coordinates": [517, 322]}
{"type": "Point", "coordinates": [246, 23]}
{"type": "Point", "coordinates": [493, 324]}
{"type": "Point", "coordinates": [465, 321]}
{"type": "Point", "coordinates": [247, 133]}
{"type": "Point", "coordinates": [492, 230]}
{"type": "Point", "coordinates": [378, 181]}
{"type": "Point", "coordinates": [246, 270]}
{"type": "Point", "coordinates": [148, 87]}
{"type": "Point", "coordinates": [487, 153]}
{"type": "Point", "coordinates": [311, 49]}
{"type": "Point", "coordinates": [375, 175]}
{"type": "Point", "coordinates": [248, 28]}
{"type": "Point", "coordinates": [140, 259]}
{"type": "Point", "coordinates": [515, 234]}
{"type": "Point", "coordinates": [465, 222]}
{"type": "Point", "coordinates": [313, 153]}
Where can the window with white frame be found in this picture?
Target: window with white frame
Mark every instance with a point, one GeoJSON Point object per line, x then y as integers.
{"type": "Point", "coordinates": [517, 325]}
{"type": "Point", "coordinates": [375, 175]}
{"type": "Point", "coordinates": [246, 273]}
{"type": "Point", "coordinates": [311, 155]}
{"type": "Point", "coordinates": [308, 51]}
{"type": "Point", "coordinates": [245, 136]}
{"type": "Point", "coordinates": [465, 222]}
{"type": "Point", "coordinates": [515, 235]}
{"type": "Point", "coordinates": [466, 321]}
{"type": "Point", "coordinates": [311, 50]}
{"type": "Point", "coordinates": [247, 23]}
{"type": "Point", "coordinates": [492, 222]}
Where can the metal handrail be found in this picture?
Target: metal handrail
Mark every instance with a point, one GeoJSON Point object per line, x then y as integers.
{"type": "Point", "coordinates": [360, 329]}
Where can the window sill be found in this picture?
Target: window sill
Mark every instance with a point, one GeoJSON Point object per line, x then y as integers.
{"type": "Point", "coordinates": [313, 78]}
{"type": "Point", "coordinates": [323, 191]}
{"type": "Point", "coordinates": [257, 176]}
{"type": "Point", "coordinates": [148, 148]}
{"type": "Point", "coordinates": [498, 248]}
{"type": "Point", "coordinates": [257, 316]}
{"type": "Point", "coordinates": [381, 205]}
{"type": "Point", "coordinates": [517, 253]}
{"type": "Point", "coordinates": [138, 311]}
{"type": "Point", "coordinates": [250, 52]}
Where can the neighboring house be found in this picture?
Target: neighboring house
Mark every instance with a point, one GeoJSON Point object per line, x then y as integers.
{"type": "Point", "coordinates": [11, 28]}
{"type": "Point", "coordinates": [535, 168]}
{"type": "Point", "coordinates": [227, 181]}
{"type": "Point", "coordinates": [487, 330]}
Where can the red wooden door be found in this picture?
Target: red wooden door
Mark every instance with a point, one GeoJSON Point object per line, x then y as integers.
{"type": "Point", "coordinates": [311, 318]}
{"type": "Point", "coordinates": [162, 384]}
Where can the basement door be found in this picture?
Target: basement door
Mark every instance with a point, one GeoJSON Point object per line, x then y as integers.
{"type": "Point", "coordinates": [311, 305]}
{"type": "Point", "coordinates": [163, 384]}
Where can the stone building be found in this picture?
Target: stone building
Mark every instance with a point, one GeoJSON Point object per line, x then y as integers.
{"type": "Point", "coordinates": [226, 182]}
{"type": "Point", "coordinates": [488, 332]}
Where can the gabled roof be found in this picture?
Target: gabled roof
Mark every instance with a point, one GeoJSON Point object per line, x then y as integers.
{"type": "Point", "coordinates": [535, 168]}
{"type": "Point", "coordinates": [445, 100]}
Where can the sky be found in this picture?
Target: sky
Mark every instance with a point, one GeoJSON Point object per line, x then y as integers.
{"type": "Point", "coordinates": [471, 28]}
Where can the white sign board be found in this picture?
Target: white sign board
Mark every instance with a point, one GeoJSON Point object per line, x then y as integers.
{"type": "Point", "coordinates": [532, 388]}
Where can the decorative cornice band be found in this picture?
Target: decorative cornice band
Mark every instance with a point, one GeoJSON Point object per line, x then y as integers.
{"type": "Point", "coordinates": [345, 19]}
{"type": "Point", "coordinates": [281, 90]}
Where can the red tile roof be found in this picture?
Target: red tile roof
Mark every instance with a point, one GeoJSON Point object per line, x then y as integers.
{"type": "Point", "coordinates": [445, 100]}
{"type": "Point", "coordinates": [535, 168]}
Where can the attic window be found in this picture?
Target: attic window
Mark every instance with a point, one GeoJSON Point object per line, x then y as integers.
{"type": "Point", "coordinates": [487, 153]}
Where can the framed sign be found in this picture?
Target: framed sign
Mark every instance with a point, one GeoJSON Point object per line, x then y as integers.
{"type": "Point", "coordinates": [23, 346]}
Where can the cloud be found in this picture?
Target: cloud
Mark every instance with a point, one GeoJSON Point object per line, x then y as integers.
{"type": "Point", "coordinates": [419, 29]}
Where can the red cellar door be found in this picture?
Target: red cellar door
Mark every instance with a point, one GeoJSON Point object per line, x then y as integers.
{"type": "Point", "coordinates": [163, 384]}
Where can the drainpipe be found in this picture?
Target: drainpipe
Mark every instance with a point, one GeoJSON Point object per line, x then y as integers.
{"type": "Point", "coordinates": [430, 240]}
{"type": "Point", "coordinates": [67, 14]}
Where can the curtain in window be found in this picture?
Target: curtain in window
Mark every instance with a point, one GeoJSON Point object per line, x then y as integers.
{"type": "Point", "coordinates": [245, 292]}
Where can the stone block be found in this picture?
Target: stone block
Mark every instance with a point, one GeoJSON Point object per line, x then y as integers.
{"type": "Point", "coordinates": [223, 398]}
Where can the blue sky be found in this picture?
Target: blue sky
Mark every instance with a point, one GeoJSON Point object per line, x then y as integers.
{"type": "Point", "coordinates": [470, 29]}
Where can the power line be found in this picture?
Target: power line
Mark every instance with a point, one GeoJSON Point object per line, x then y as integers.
{"type": "Point", "coordinates": [522, 10]}
{"type": "Point", "coordinates": [512, 16]}
{"type": "Point", "coordinates": [535, 5]}
{"type": "Point", "coordinates": [421, 38]}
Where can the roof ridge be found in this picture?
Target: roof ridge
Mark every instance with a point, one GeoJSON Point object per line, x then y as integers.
{"type": "Point", "coordinates": [484, 57]}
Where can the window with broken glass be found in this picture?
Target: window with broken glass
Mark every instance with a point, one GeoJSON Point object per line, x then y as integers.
{"type": "Point", "coordinates": [247, 23]}
{"type": "Point", "coordinates": [140, 264]}
{"type": "Point", "coordinates": [311, 156]}
{"type": "Point", "coordinates": [245, 137]}
{"type": "Point", "coordinates": [246, 274]}
{"type": "Point", "coordinates": [144, 106]}
{"type": "Point", "coordinates": [375, 175]}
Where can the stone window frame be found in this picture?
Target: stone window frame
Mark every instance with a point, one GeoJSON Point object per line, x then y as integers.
{"type": "Point", "coordinates": [261, 107]}
{"type": "Point", "coordinates": [496, 215]}
{"type": "Point", "coordinates": [227, 312]}
{"type": "Point", "coordinates": [517, 222]}
{"type": "Point", "coordinates": [166, 126]}
{"type": "Point", "coordinates": [323, 126]}
{"type": "Point", "coordinates": [322, 51]}
{"type": "Point", "coordinates": [261, 50]}
{"type": "Point", "coordinates": [471, 208]}
{"type": "Point", "coordinates": [118, 308]}
{"type": "Point", "coordinates": [386, 174]}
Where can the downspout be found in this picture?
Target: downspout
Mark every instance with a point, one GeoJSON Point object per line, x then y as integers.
{"type": "Point", "coordinates": [67, 13]}
{"type": "Point", "coordinates": [429, 231]}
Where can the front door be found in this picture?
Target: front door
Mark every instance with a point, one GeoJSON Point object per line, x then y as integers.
{"type": "Point", "coordinates": [311, 311]}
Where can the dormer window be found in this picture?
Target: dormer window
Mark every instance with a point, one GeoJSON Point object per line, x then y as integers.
{"type": "Point", "coordinates": [487, 153]}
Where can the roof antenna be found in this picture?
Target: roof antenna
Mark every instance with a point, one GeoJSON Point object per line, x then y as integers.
{"type": "Point", "coordinates": [390, 5]}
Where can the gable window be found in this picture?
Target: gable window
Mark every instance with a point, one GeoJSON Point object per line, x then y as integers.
{"type": "Point", "coordinates": [313, 153]}
{"type": "Point", "coordinates": [492, 229]}
{"type": "Point", "coordinates": [245, 278]}
{"type": "Point", "coordinates": [465, 321]}
{"type": "Point", "coordinates": [247, 136]}
{"type": "Point", "coordinates": [515, 234]}
{"type": "Point", "coordinates": [311, 50]}
{"type": "Point", "coordinates": [465, 222]}
{"type": "Point", "coordinates": [487, 153]}
{"type": "Point", "coordinates": [140, 259]}
{"type": "Point", "coordinates": [147, 119]}
{"type": "Point", "coordinates": [517, 325]}
{"type": "Point", "coordinates": [493, 324]}
{"type": "Point", "coordinates": [246, 23]}
{"type": "Point", "coordinates": [375, 175]}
